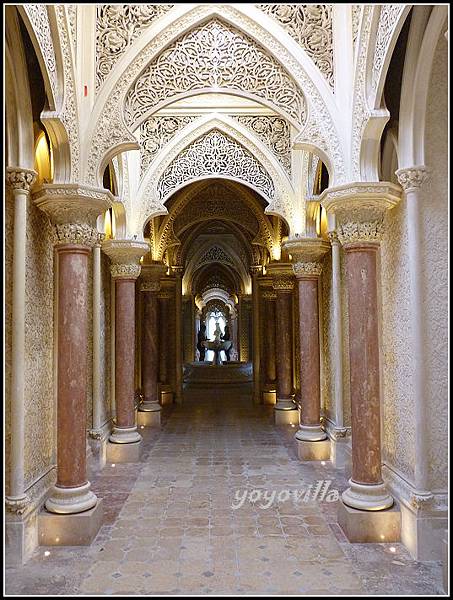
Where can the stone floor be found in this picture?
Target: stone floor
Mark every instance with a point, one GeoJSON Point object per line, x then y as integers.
{"type": "Point", "coordinates": [170, 526]}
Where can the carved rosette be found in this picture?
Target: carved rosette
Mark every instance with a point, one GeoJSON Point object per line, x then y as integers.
{"type": "Point", "coordinates": [20, 179]}
{"type": "Point", "coordinates": [359, 209]}
{"type": "Point", "coordinates": [73, 209]}
{"type": "Point", "coordinates": [412, 178]}
{"type": "Point", "coordinates": [306, 255]}
{"type": "Point", "coordinates": [125, 256]}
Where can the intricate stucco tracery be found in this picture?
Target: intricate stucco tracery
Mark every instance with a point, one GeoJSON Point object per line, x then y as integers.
{"type": "Point", "coordinates": [213, 154]}
{"type": "Point", "coordinates": [275, 132]}
{"type": "Point", "coordinates": [388, 19]}
{"type": "Point", "coordinates": [155, 132]}
{"type": "Point", "coordinates": [214, 55]}
{"type": "Point", "coordinates": [117, 26]}
{"type": "Point", "coordinates": [311, 26]}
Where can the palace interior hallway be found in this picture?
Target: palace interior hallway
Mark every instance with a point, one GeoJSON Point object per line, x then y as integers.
{"type": "Point", "coordinates": [169, 526]}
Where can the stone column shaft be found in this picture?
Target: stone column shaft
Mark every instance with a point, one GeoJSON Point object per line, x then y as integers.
{"type": "Point", "coordinates": [163, 338]}
{"type": "Point", "coordinates": [150, 356]}
{"type": "Point", "coordinates": [20, 180]}
{"type": "Point", "coordinates": [256, 269]}
{"type": "Point", "coordinates": [178, 334]}
{"type": "Point", "coordinates": [338, 332]}
{"type": "Point", "coordinates": [269, 331]}
{"type": "Point", "coordinates": [284, 346]}
{"type": "Point", "coordinates": [97, 400]}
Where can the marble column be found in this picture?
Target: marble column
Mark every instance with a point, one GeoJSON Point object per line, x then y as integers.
{"type": "Point", "coordinates": [125, 269]}
{"type": "Point", "coordinates": [20, 180]}
{"type": "Point", "coordinates": [359, 210]}
{"type": "Point", "coordinates": [268, 333]}
{"type": "Point", "coordinates": [412, 179]}
{"type": "Point", "coordinates": [307, 254]}
{"type": "Point", "coordinates": [66, 205]}
{"type": "Point", "coordinates": [177, 270]}
{"type": "Point", "coordinates": [96, 432]}
{"type": "Point", "coordinates": [283, 284]}
{"type": "Point", "coordinates": [164, 297]}
{"type": "Point", "coordinates": [255, 271]}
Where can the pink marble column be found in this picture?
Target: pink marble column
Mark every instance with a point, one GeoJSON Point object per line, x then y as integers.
{"type": "Point", "coordinates": [66, 204]}
{"type": "Point", "coordinates": [268, 334]}
{"type": "Point", "coordinates": [150, 355]}
{"type": "Point", "coordinates": [359, 211]}
{"type": "Point", "coordinates": [164, 298]}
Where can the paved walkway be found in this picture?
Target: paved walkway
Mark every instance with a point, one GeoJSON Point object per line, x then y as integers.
{"type": "Point", "coordinates": [170, 526]}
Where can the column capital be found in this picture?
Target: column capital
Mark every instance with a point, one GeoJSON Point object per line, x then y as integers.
{"type": "Point", "coordinates": [306, 255]}
{"type": "Point", "coordinates": [20, 179]}
{"type": "Point", "coordinates": [282, 276]}
{"type": "Point", "coordinates": [150, 277]}
{"type": "Point", "coordinates": [359, 209]}
{"type": "Point", "coordinates": [256, 270]}
{"type": "Point", "coordinates": [177, 270]}
{"type": "Point", "coordinates": [333, 237]}
{"type": "Point", "coordinates": [413, 178]}
{"type": "Point", "coordinates": [165, 295]}
{"type": "Point", "coordinates": [125, 256]}
{"type": "Point", "coordinates": [269, 295]}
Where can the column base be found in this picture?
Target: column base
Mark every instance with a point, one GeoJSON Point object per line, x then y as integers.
{"type": "Point", "coordinates": [70, 529]}
{"type": "Point", "coordinates": [364, 526]}
{"type": "Point", "coordinates": [149, 418]}
{"type": "Point", "coordinates": [285, 404]}
{"type": "Point", "coordinates": [269, 396]}
{"type": "Point", "coordinates": [287, 416]}
{"type": "Point", "coordinates": [125, 435]}
{"type": "Point", "coordinates": [166, 395]}
{"type": "Point", "coordinates": [149, 407]}
{"type": "Point", "coordinates": [21, 538]}
{"type": "Point", "coordinates": [319, 450]}
{"type": "Point", "coordinates": [124, 453]}
{"type": "Point", "coordinates": [367, 497]}
{"type": "Point", "coordinates": [310, 433]}
{"type": "Point", "coordinates": [66, 501]}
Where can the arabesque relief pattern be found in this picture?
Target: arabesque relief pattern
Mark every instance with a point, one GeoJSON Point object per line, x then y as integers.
{"type": "Point", "coordinates": [311, 26]}
{"type": "Point", "coordinates": [215, 154]}
{"type": "Point", "coordinates": [117, 27]}
{"type": "Point", "coordinates": [213, 55]}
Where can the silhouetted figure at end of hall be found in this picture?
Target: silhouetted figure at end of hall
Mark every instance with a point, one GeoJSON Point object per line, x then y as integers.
{"type": "Point", "coordinates": [200, 339]}
{"type": "Point", "coordinates": [226, 337]}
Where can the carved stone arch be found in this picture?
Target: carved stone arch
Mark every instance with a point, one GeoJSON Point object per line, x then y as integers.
{"type": "Point", "coordinates": [280, 199]}
{"type": "Point", "coordinates": [109, 129]}
{"type": "Point", "coordinates": [424, 36]}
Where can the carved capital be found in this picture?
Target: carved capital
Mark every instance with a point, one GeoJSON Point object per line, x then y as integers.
{"type": "Point", "coordinates": [412, 178]}
{"type": "Point", "coordinates": [306, 255]}
{"type": "Point", "coordinates": [340, 432]}
{"type": "Point", "coordinates": [20, 179]}
{"type": "Point", "coordinates": [269, 295]}
{"type": "Point", "coordinates": [283, 283]}
{"type": "Point", "coordinates": [76, 233]}
{"type": "Point", "coordinates": [307, 269]}
{"type": "Point", "coordinates": [72, 203]}
{"type": "Point", "coordinates": [333, 237]}
{"type": "Point", "coordinates": [96, 434]}
{"type": "Point", "coordinates": [368, 232]}
{"type": "Point", "coordinates": [151, 275]}
{"type": "Point", "coordinates": [256, 270]}
{"type": "Point", "coordinates": [17, 505]}
{"type": "Point", "coordinates": [165, 295]}
{"type": "Point", "coordinates": [149, 285]}
{"type": "Point", "coordinates": [126, 271]}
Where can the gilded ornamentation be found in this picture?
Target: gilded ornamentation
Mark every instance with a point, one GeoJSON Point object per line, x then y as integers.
{"type": "Point", "coordinates": [269, 295]}
{"type": "Point", "coordinates": [215, 254]}
{"type": "Point", "coordinates": [148, 285]}
{"type": "Point", "coordinates": [213, 55]}
{"type": "Point", "coordinates": [20, 179]}
{"type": "Point", "coordinates": [307, 269]}
{"type": "Point", "coordinates": [117, 27]}
{"type": "Point", "coordinates": [215, 154]}
{"type": "Point", "coordinates": [155, 133]}
{"type": "Point", "coordinates": [283, 283]}
{"type": "Point", "coordinates": [275, 132]}
{"type": "Point", "coordinates": [311, 26]}
{"type": "Point", "coordinates": [412, 178]}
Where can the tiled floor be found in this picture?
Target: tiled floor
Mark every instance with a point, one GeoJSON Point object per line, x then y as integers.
{"type": "Point", "coordinates": [170, 526]}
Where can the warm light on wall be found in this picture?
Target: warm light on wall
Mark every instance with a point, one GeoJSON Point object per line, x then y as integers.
{"type": "Point", "coordinates": [276, 252]}
{"type": "Point", "coordinates": [109, 224]}
{"type": "Point", "coordinates": [43, 159]}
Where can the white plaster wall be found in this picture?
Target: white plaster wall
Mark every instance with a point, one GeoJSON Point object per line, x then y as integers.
{"type": "Point", "coordinates": [434, 250]}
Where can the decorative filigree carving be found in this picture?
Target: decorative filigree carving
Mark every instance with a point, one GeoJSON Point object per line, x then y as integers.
{"type": "Point", "coordinates": [275, 133]}
{"type": "Point", "coordinates": [351, 232]}
{"type": "Point", "coordinates": [421, 501]}
{"type": "Point", "coordinates": [215, 154]}
{"type": "Point", "coordinates": [215, 254]}
{"type": "Point", "coordinates": [155, 132]}
{"type": "Point", "coordinates": [148, 285]}
{"type": "Point", "coordinates": [20, 179]}
{"type": "Point", "coordinates": [117, 26]}
{"type": "Point", "coordinates": [214, 55]}
{"type": "Point", "coordinates": [125, 271]}
{"type": "Point", "coordinates": [412, 178]}
{"type": "Point", "coordinates": [76, 233]}
{"type": "Point", "coordinates": [71, 10]}
{"type": "Point", "coordinates": [283, 283]}
{"type": "Point", "coordinates": [307, 269]}
{"type": "Point", "coordinates": [37, 13]}
{"type": "Point", "coordinates": [388, 18]}
{"type": "Point", "coordinates": [311, 26]}
{"type": "Point", "coordinates": [17, 505]}
{"type": "Point", "coordinates": [356, 12]}
{"type": "Point", "coordinates": [269, 295]}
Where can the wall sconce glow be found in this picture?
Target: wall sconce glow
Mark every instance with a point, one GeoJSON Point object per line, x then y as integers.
{"type": "Point", "coordinates": [107, 225]}
{"type": "Point", "coordinates": [276, 252]}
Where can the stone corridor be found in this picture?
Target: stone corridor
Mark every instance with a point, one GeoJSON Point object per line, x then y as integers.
{"type": "Point", "coordinates": [169, 526]}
